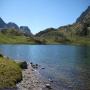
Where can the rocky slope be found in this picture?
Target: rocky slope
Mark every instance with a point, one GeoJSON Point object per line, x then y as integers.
{"type": "Point", "coordinates": [84, 17]}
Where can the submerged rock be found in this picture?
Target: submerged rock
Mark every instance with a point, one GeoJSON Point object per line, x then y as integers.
{"type": "Point", "coordinates": [35, 66]}
{"type": "Point", "coordinates": [42, 68]}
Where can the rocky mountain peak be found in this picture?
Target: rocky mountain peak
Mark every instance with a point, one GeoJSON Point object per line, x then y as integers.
{"type": "Point", "coordinates": [2, 23]}
{"type": "Point", "coordinates": [84, 17]}
{"type": "Point", "coordinates": [26, 30]}
{"type": "Point", "coordinates": [12, 25]}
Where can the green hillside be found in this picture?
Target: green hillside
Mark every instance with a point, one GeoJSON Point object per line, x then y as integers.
{"type": "Point", "coordinates": [14, 39]}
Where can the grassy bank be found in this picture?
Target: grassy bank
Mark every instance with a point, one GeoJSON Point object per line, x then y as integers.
{"type": "Point", "coordinates": [10, 73]}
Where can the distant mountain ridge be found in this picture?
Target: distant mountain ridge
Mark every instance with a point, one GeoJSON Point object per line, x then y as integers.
{"type": "Point", "coordinates": [11, 25]}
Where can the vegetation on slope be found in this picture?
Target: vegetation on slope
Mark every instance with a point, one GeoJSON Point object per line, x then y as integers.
{"type": "Point", "coordinates": [76, 33]}
{"type": "Point", "coordinates": [17, 39]}
{"type": "Point", "coordinates": [10, 73]}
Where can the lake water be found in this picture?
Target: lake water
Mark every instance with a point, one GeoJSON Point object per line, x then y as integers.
{"type": "Point", "coordinates": [68, 66]}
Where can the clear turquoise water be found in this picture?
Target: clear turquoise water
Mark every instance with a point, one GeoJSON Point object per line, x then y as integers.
{"type": "Point", "coordinates": [68, 66]}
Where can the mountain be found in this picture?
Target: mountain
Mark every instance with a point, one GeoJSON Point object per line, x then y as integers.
{"type": "Point", "coordinates": [12, 25]}
{"type": "Point", "coordinates": [84, 20]}
{"type": "Point", "coordinates": [80, 28]}
{"type": "Point", "coordinates": [78, 32]}
{"type": "Point", "coordinates": [51, 35]}
{"type": "Point", "coordinates": [12, 33]}
{"type": "Point", "coordinates": [84, 17]}
{"type": "Point", "coordinates": [26, 30]}
{"type": "Point", "coordinates": [14, 29]}
{"type": "Point", "coordinates": [41, 33]}
{"type": "Point", "coordinates": [2, 23]}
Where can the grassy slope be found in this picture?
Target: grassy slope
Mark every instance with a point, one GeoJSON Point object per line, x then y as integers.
{"type": "Point", "coordinates": [8, 39]}
{"type": "Point", "coordinates": [77, 40]}
{"type": "Point", "coordinates": [10, 73]}
{"type": "Point", "coordinates": [70, 39]}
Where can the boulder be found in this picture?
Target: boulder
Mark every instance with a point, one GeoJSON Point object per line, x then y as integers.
{"type": "Point", "coordinates": [23, 65]}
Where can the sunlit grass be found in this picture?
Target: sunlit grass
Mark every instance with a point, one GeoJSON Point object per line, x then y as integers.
{"type": "Point", "coordinates": [10, 73]}
{"type": "Point", "coordinates": [9, 39]}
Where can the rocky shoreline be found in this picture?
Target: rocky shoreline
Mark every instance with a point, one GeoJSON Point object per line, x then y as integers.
{"type": "Point", "coordinates": [32, 80]}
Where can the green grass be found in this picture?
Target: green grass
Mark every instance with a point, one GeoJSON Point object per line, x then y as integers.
{"type": "Point", "coordinates": [80, 40]}
{"type": "Point", "coordinates": [10, 39]}
{"type": "Point", "coordinates": [10, 73]}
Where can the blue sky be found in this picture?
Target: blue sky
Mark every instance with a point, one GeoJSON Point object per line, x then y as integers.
{"type": "Point", "coordinates": [41, 14]}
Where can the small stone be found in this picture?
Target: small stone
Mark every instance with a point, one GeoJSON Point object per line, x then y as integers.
{"type": "Point", "coordinates": [43, 68]}
{"type": "Point", "coordinates": [32, 69]}
{"type": "Point", "coordinates": [36, 64]}
{"type": "Point", "coordinates": [50, 80]}
{"type": "Point", "coordinates": [31, 63]}
{"type": "Point", "coordinates": [48, 86]}
{"type": "Point", "coordinates": [70, 86]}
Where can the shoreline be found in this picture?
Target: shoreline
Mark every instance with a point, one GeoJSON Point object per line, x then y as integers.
{"type": "Point", "coordinates": [32, 80]}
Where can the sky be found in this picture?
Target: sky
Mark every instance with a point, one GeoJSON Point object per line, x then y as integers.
{"type": "Point", "coordinates": [41, 14]}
